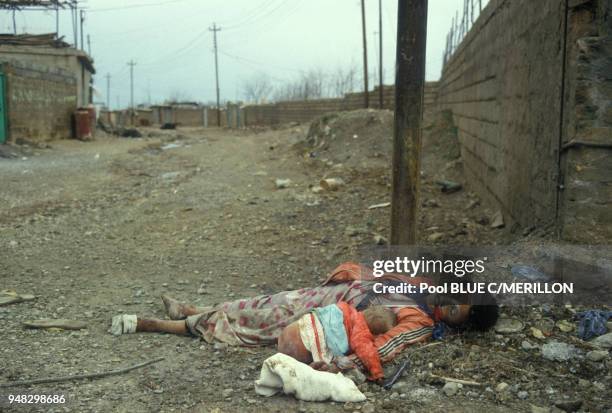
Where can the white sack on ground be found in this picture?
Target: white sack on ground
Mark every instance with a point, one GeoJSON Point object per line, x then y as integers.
{"type": "Point", "coordinates": [283, 373]}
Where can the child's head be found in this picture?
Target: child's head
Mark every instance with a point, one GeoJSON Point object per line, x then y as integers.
{"type": "Point", "coordinates": [379, 319]}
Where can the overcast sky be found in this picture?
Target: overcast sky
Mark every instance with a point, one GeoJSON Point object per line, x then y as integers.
{"type": "Point", "coordinates": [170, 42]}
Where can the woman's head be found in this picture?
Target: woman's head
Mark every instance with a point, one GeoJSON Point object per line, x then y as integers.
{"type": "Point", "coordinates": [477, 312]}
{"type": "Point", "coordinates": [380, 319]}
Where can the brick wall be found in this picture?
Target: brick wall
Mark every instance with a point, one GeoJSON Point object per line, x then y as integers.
{"type": "Point", "coordinates": [503, 87]}
{"type": "Point", "coordinates": [40, 103]}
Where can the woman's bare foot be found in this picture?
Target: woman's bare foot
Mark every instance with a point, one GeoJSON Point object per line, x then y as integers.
{"type": "Point", "coordinates": [174, 308]}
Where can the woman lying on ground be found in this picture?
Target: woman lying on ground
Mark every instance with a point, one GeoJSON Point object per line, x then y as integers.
{"type": "Point", "coordinates": [261, 320]}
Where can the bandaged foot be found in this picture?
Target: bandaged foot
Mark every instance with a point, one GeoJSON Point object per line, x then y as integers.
{"type": "Point", "coordinates": [123, 324]}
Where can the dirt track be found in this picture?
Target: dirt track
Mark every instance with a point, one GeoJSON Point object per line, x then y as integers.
{"type": "Point", "coordinates": [102, 228]}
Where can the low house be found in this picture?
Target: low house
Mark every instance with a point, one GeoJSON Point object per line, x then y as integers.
{"type": "Point", "coordinates": [42, 82]}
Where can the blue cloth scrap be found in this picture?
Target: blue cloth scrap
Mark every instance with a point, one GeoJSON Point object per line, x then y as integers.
{"type": "Point", "coordinates": [440, 330]}
{"type": "Point", "coordinates": [332, 321]}
{"type": "Point", "coordinates": [592, 323]}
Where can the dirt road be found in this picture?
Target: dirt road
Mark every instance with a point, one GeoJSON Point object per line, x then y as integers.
{"type": "Point", "coordinates": [102, 228]}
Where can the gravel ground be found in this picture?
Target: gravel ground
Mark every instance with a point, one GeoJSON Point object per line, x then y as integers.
{"type": "Point", "coordinates": [102, 228]}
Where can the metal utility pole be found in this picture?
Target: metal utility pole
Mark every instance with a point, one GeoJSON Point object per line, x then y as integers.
{"type": "Point", "coordinates": [216, 29]}
{"type": "Point", "coordinates": [131, 64]}
{"type": "Point", "coordinates": [365, 56]}
{"type": "Point", "coordinates": [381, 97]}
{"type": "Point", "coordinates": [57, 21]}
{"type": "Point", "coordinates": [82, 21]}
{"type": "Point", "coordinates": [108, 79]}
{"type": "Point", "coordinates": [14, 23]}
{"type": "Point", "coordinates": [89, 45]}
{"type": "Point", "coordinates": [409, 87]}
{"type": "Point", "coordinates": [73, 13]}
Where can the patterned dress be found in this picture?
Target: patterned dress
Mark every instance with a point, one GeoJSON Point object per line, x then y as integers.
{"type": "Point", "coordinates": [260, 320]}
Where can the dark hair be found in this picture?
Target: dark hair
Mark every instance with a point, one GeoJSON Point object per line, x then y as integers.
{"type": "Point", "coordinates": [483, 317]}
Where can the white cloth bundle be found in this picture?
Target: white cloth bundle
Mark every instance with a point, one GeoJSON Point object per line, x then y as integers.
{"type": "Point", "coordinates": [283, 373]}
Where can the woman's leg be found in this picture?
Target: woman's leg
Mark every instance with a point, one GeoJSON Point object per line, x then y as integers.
{"type": "Point", "coordinates": [179, 311]}
{"type": "Point", "coordinates": [162, 326]}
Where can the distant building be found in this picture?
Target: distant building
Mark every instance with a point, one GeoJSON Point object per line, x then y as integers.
{"type": "Point", "coordinates": [42, 82]}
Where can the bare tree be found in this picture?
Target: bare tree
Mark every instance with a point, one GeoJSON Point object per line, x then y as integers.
{"type": "Point", "coordinates": [343, 80]}
{"type": "Point", "coordinates": [258, 88]}
{"type": "Point", "coordinates": [178, 96]}
{"type": "Point", "coordinates": [308, 85]}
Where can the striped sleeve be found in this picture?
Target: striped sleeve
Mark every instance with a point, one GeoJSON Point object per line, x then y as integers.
{"type": "Point", "coordinates": [413, 326]}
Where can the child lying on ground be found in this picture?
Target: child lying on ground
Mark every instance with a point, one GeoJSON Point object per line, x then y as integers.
{"type": "Point", "coordinates": [337, 330]}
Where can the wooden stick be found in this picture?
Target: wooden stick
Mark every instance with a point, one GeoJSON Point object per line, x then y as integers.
{"type": "Point", "coordinates": [81, 376]}
{"type": "Point", "coordinates": [447, 379]}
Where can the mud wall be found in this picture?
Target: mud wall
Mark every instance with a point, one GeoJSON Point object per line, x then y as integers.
{"type": "Point", "coordinates": [306, 110]}
{"type": "Point", "coordinates": [40, 102]}
{"type": "Point", "coordinates": [188, 116]}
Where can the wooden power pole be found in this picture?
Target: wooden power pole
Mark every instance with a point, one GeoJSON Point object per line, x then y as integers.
{"type": "Point", "coordinates": [380, 56]}
{"type": "Point", "coordinates": [216, 29]}
{"type": "Point", "coordinates": [108, 83]}
{"type": "Point", "coordinates": [366, 101]}
{"type": "Point", "coordinates": [409, 87]}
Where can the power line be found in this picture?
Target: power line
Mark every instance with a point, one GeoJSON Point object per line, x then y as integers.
{"type": "Point", "coordinates": [136, 6]}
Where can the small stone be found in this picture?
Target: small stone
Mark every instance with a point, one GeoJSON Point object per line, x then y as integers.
{"type": "Point", "coordinates": [538, 409]}
{"type": "Point", "coordinates": [604, 341]}
{"type": "Point", "coordinates": [507, 325]}
{"type": "Point", "coordinates": [522, 395]}
{"type": "Point", "coordinates": [498, 220]}
{"type": "Point", "coordinates": [368, 408]}
{"type": "Point", "coordinates": [220, 346]}
{"type": "Point", "coordinates": [557, 351]}
{"type": "Point", "coordinates": [436, 236]}
{"type": "Point", "coordinates": [597, 355]}
{"type": "Point", "coordinates": [502, 387]}
{"type": "Point", "coordinates": [568, 405]}
{"type": "Point", "coordinates": [582, 383]}
{"type": "Point", "coordinates": [228, 393]}
{"type": "Point", "coordinates": [282, 183]}
{"type": "Point", "coordinates": [527, 345]}
{"type": "Point", "coordinates": [380, 240]}
{"type": "Point", "coordinates": [451, 388]}
{"type": "Point", "coordinates": [202, 289]}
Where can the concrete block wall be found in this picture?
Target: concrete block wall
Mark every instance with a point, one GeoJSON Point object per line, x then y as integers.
{"type": "Point", "coordinates": [40, 102]}
{"type": "Point", "coordinates": [503, 87]}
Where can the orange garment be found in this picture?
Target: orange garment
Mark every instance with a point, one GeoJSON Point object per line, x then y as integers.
{"type": "Point", "coordinates": [361, 340]}
{"type": "Point", "coordinates": [413, 324]}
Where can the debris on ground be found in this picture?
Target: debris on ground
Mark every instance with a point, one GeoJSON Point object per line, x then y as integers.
{"type": "Point", "coordinates": [448, 187]}
{"type": "Point", "coordinates": [331, 184]}
{"type": "Point", "coordinates": [129, 133]}
{"type": "Point", "coordinates": [60, 324]}
{"type": "Point", "coordinates": [558, 351]}
{"type": "Point", "coordinates": [282, 183]}
{"type": "Point", "coordinates": [498, 220]}
{"type": "Point", "coordinates": [12, 297]}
